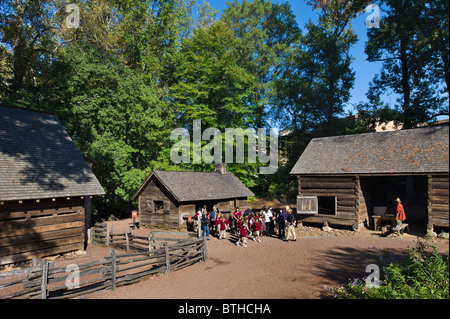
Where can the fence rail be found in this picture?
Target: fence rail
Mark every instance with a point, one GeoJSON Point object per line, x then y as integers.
{"type": "Point", "coordinates": [44, 280]}
{"type": "Point", "coordinates": [103, 234]}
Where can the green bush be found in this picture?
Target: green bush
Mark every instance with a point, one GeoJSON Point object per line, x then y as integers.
{"type": "Point", "coordinates": [422, 274]}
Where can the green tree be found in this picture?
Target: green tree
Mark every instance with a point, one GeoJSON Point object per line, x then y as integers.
{"type": "Point", "coordinates": [317, 78]}
{"type": "Point", "coordinates": [412, 43]}
{"type": "Point", "coordinates": [210, 84]}
{"type": "Point", "coordinates": [264, 33]}
{"type": "Point", "coordinates": [27, 47]}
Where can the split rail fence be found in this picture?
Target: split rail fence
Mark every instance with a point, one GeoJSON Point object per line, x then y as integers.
{"type": "Point", "coordinates": [103, 234]}
{"type": "Point", "coordinates": [151, 258]}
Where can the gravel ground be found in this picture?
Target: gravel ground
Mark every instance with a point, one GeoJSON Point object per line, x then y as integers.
{"type": "Point", "coordinates": [272, 269]}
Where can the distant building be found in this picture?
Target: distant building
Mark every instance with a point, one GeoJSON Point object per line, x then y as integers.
{"type": "Point", "coordinates": [168, 198]}
{"type": "Point", "coordinates": [342, 178]}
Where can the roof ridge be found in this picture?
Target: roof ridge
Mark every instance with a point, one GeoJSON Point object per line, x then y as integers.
{"type": "Point", "coordinates": [8, 106]}
{"type": "Point", "coordinates": [385, 132]}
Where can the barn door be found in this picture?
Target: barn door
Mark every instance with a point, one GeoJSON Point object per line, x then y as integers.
{"type": "Point", "coordinates": [307, 205]}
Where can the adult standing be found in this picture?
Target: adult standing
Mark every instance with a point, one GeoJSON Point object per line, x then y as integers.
{"type": "Point", "coordinates": [205, 224]}
{"type": "Point", "coordinates": [236, 217]}
{"type": "Point", "coordinates": [271, 216]}
{"type": "Point", "coordinates": [213, 217]}
{"type": "Point", "coordinates": [290, 223]}
{"type": "Point", "coordinates": [267, 217]}
{"type": "Point", "coordinates": [281, 221]}
{"type": "Point", "coordinates": [400, 215]}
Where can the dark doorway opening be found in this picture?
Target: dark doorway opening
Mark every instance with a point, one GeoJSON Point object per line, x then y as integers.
{"type": "Point", "coordinates": [326, 205]}
{"type": "Point", "coordinates": [379, 193]}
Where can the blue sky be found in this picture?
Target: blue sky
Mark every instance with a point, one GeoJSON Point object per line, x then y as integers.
{"type": "Point", "coordinates": [365, 71]}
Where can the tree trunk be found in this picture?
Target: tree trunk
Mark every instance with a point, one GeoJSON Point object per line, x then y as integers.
{"type": "Point", "coordinates": [19, 45]}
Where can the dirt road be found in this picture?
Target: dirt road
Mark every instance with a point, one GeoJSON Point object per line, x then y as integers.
{"type": "Point", "coordinates": [272, 269]}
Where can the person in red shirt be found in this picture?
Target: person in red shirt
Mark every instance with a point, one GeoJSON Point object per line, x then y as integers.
{"type": "Point", "coordinates": [217, 223]}
{"type": "Point", "coordinates": [236, 217]}
{"type": "Point", "coordinates": [223, 228]}
{"type": "Point", "coordinates": [400, 215]}
{"type": "Point", "coordinates": [243, 231]}
{"type": "Point", "coordinates": [399, 211]}
{"type": "Point", "coordinates": [257, 229]}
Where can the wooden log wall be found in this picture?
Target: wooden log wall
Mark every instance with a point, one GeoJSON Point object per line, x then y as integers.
{"type": "Point", "coordinates": [345, 189]}
{"type": "Point", "coordinates": [169, 218]}
{"type": "Point", "coordinates": [438, 201]}
{"type": "Point", "coordinates": [40, 228]}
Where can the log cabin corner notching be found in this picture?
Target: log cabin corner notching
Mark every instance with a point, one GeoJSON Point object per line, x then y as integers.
{"type": "Point", "coordinates": [167, 198]}
{"type": "Point", "coordinates": [45, 187]}
{"type": "Point", "coordinates": [342, 179]}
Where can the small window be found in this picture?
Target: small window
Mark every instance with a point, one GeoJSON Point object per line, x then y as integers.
{"type": "Point", "coordinates": [159, 206]}
{"type": "Point", "coordinates": [327, 205]}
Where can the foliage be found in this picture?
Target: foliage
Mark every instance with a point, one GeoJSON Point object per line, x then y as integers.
{"type": "Point", "coordinates": [422, 274]}
{"type": "Point", "coordinates": [136, 69]}
{"type": "Point", "coordinates": [412, 42]}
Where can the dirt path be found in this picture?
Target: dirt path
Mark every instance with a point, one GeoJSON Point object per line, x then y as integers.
{"type": "Point", "coordinates": [272, 269]}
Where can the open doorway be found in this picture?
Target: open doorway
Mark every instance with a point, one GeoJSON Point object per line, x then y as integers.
{"type": "Point", "coordinates": [379, 193]}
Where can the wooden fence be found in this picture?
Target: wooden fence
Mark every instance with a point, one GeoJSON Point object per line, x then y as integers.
{"type": "Point", "coordinates": [103, 234]}
{"type": "Point", "coordinates": [44, 280]}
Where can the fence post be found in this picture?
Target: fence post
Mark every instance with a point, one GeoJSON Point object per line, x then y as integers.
{"type": "Point", "coordinates": [107, 235]}
{"type": "Point", "coordinates": [127, 239]}
{"type": "Point", "coordinates": [112, 254]}
{"type": "Point", "coordinates": [150, 236]}
{"type": "Point", "coordinates": [166, 249]}
{"type": "Point", "coordinates": [205, 249]}
{"type": "Point", "coordinates": [44, 279]}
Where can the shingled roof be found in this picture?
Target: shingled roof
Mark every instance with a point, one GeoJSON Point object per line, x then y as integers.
{"type": "Point", "coordinates": [188, 186]}
{"type": "Point", "coordinates": [413, 151]}
{"type": "Point", "coordinates": [39, 160]}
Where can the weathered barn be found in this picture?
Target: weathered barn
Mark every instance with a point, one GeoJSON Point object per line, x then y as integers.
{"type": "Point", "coordinates": [45, 187]}
{"type": "Point", "coordinates": [342, 179]}
{"type": "Point", "coordinates": [168, 198]}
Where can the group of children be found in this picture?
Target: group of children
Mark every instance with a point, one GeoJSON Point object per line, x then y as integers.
{"type": "Point", "coordinates": [244, 225]}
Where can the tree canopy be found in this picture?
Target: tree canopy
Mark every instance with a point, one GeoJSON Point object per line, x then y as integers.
{"type": "Point", "coordinates": [121, 75]}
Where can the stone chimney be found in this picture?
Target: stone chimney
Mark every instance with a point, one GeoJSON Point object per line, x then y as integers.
{"type": "Point", "coordinates": [220, 168]}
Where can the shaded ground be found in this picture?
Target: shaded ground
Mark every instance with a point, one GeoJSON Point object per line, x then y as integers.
{"type": "Point", "coordinates": [272, 269]}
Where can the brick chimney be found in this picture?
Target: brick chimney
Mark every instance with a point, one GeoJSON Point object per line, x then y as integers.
{"type": "Point", "coordinates": [220, 168]}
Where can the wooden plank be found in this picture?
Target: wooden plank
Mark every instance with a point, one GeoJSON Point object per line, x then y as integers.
{"type": "Point", "coordinates": [44, 204]}
{"type": "Point", "coordinates": [351, 209]}
{"type": "Point", "coordinates": [439, 207]}
{"type": "Point", "coordinates": [39, 245]}
{"type": "Point", "coordinates": [326, 179]}
{"type": "Point", "coordinates": [205, 250]}
{"type": "Point", "coordinates": [40, 229]}
{"type": "Point", "coordinates": [440, 222]}
{"type": "Point", "coordinates": [10, 241]}
{"type": "Point", "coordinates": [7, 226]}
{"type": "Point", "coordinates": [332, 219]}
{"type": "Point", "coordinates": [112, 255]}
{"type": "Point", "coordinates": [441, 185]}
{"type": "Point", "coordinates": [347, 201]}
{"type": "Point", "coordinates": [440, 200]}
{"type": "Point", "coordinates": [10, 259]}
{"type": "Point", "coordinates": [329, 192]}
{"type": "Point", "coordinates": [33, 213]}
{"type": "Point", "coordinates": [440, 192]}
{"type": "Point", "coordinates": [167, 255]}
{"type": "Point", "coordinates": [348, 185]}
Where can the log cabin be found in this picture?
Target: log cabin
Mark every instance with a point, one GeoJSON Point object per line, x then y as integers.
{"type": "Point", "coordinates": [345, 180]}
{"type": "Point", "coordinates": [167, 198]}
{"type": "Point", "coordinates": [45, 187]}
